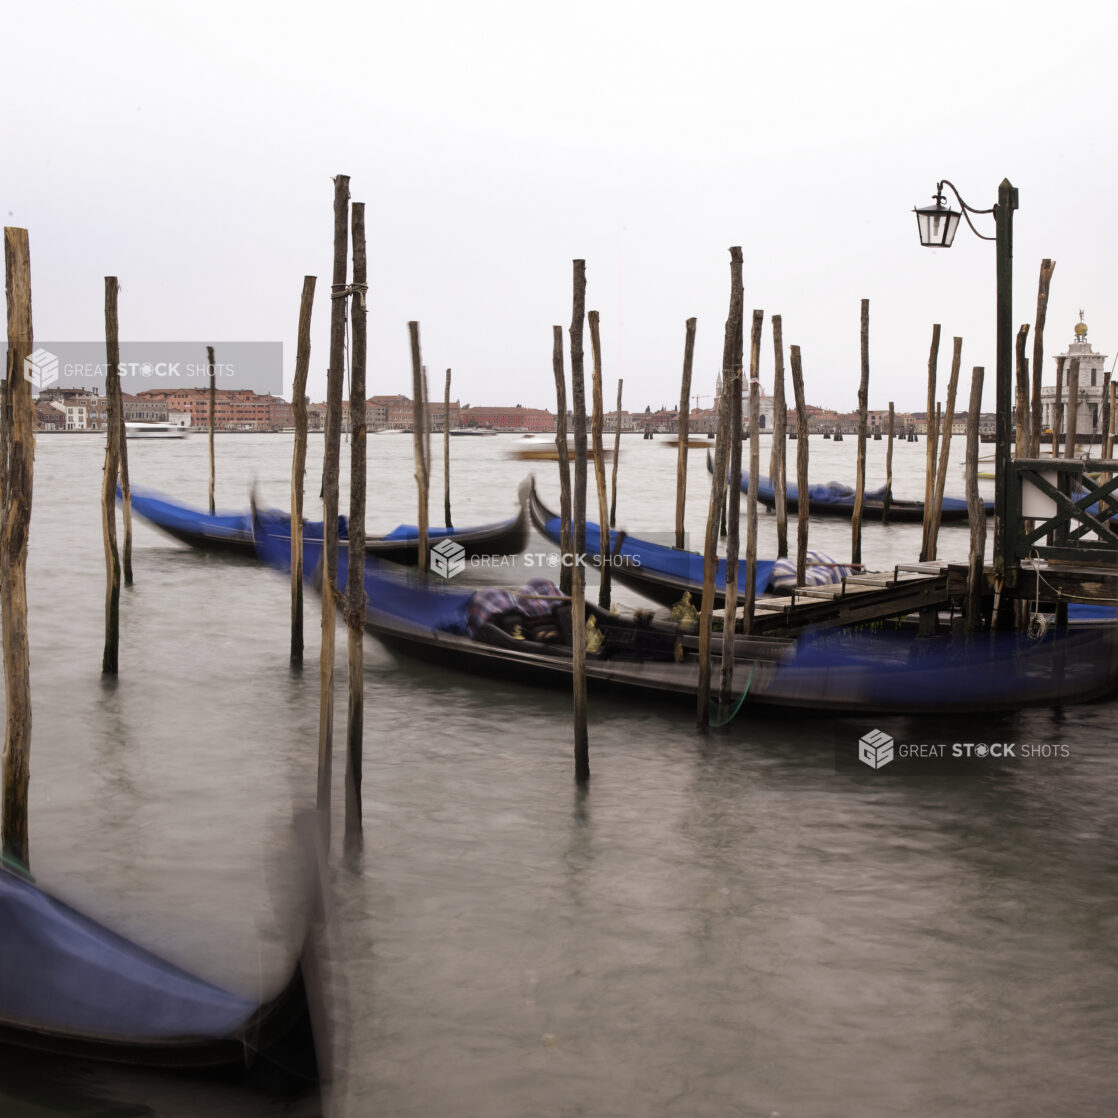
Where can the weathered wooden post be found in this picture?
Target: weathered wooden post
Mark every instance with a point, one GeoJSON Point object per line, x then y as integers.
{"type": "Point", "coordinates": [355, 567]}
{"type": "Point", "coordinates": [332, 449]}
{"type": "Point", "coordinates": [684, 431]}
{"type": "Point", "coordinates": [945, 447]}
{"type": "Point", "coordinates": [1073, 405]}
{"type": "Point", "coordinates": [731, 349]}
{"type": "Point", "coordinates": [1058, 407]}
{"type": "Point", "coordinates": [887, 499]}
{"type": "Point", "coordinates": [733, 378]}
{"type": "Point", "coordinates": [860, 475]}
{"type": "Point", "coordinates": [1021, 430]}
{"type": "Point", "coordinates": [419, 438]}
{"type": "Point", "coordinates": [616, 459]}
{"type": "Point", "coordinates": [1047, 267]}
{"type": "Point", "coordinates": [578, 531]}
{"type": "Point", "coordinates": [113, 428]}
{"type": "Point", "coordinates": [213, 418]}
{"type": "Point", "coordinates": [17, 426]}
{"type": "Point", "coordinates": [754, 467]}
{"type": "Point", "coordinates": [930, 442]}
{"type": "Point", "coordinates": [299, 465]}
{"type": "Point", "coordinates": [562, 451]}
{"type": "Point", "coordinates": [1104, 418]}
{"type": "Point", "coordinates": [122, 444]}
{"type": "Point", "coordinates": [446, 452]}
{"type": "Point", "coordinates": [1111, 424]}
{"type": "Point", "coordinates": [803, 499]}
{"type": "Point", "coordinates": [778, 467]}
{"type": "Point", "coordinates": [718, 493]}
{"type": "Point", "coordinates": [976, 510]}
{"type": "Point", "coordinates": [596, 421]}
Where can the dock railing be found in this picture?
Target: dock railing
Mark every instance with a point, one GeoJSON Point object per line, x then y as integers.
{"type": "Point", "coordinates": [1069, 503]}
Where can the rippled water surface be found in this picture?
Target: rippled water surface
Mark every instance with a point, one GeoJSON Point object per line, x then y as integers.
{"type": "Point", "coordinates": [740, 924]}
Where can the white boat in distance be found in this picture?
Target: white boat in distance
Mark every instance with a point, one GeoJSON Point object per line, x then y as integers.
{"type": "Point", "coordinates": [154, 431]}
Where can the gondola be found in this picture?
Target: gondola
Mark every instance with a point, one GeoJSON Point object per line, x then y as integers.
{"type": "Point", "coordinates": [664, 574]}
{"type": "Point", "coordinates": [231, 533]}
{"type": "Point", "coordinates": [660, 573]}
{"type": "Point", "coordinates": [71, 987]}
{"type": "Point", "coordinates": [836, 499]}
{"type": "Point", "coordinates": [525, 636]}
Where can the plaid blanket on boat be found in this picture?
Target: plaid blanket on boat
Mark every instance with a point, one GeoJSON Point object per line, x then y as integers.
{"type": "Point", "coordinates": [821, 571]}
{"type": "Point", "coordinates": [493, 601]}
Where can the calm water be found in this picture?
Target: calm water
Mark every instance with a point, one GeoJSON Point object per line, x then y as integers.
{"type": "Point", "coordinates": [735, 925]}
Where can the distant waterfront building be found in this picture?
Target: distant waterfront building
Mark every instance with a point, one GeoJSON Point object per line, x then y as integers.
{"type": "Point", "coordinates": [49, 417]}
{"type": "Point", "coordinates": [235, 409]}
{"type": "Point", "coordinates": [1091, 387]}
{"type": "Point", "coordinates": [508, 419]}
{"type": "Point", "coordinates": [138, 409]}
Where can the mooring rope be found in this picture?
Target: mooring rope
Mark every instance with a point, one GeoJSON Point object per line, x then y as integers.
{"type": "Point", "coordinates": [715, 706]}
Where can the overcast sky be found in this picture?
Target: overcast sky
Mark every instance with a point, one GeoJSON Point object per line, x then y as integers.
{"type": "Point", "coordinates": [189, 149]}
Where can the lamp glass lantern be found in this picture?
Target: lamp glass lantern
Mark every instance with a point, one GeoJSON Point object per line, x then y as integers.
{"type": "Point", "coordinates": [937, 224]}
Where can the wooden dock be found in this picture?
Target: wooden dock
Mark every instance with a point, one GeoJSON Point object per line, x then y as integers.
{"type": "Point", "coordinates": [926, 589]}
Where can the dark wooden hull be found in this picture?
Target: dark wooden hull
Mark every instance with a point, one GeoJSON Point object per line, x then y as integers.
{"type": "Point", "coordinates": [882, 676]}
{"type": "Point", "coordinates": [275, 1050]}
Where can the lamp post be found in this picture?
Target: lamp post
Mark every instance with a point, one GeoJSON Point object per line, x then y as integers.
{"type": "Point", "coordinates": [937, 224]}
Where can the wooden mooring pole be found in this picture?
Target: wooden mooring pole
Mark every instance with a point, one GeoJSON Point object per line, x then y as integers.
{"type": "Point", "coordinates": [331, 453]}
{"type": "Point", "coordinates": [419, 439]}
{"type": "Point", "coordinates": [299, 465]}
{"type": "Point", "coordinates": [860, 473]}
{"type": "Point", "coordinates": [616, 459]}
{"type": "Point", "coordinates": [1022, 425]}
{"type": "Point", "coordinates": [446, 452]}
{"type": "Point", "coordinates": [1073, 406]}
{"type": "Point", "coordinates": [976, 510]}
{"type": "Point", "coordinates": [113, 428]}
{"type": "Point", "coordinates": [1047, 267]}
{"type": "Point", "coordinates": [562, 451]}
{"type": "Point", "coordinates": [1111, 425]}
{"type": "Point", "coordinates": [945, 447]}
{"type": "Point", "coordinates": [887, 499]}
{"type": "Point", "coordinates": [684, 432]}
{"type": "Point", "coordinates": [213, 418]}
{"type": "Point", "coordinates": [596, 421]}
{"type": "Point", "coordinates": [803, 499]}
{"type": "Point", "coordinates": [731, 359]}
{"type": "Point", "coordinates": [125, 482]}
{"type": "Point", "coordinates": [1058, 407]}
{"type": "Point", "coordinates": [17, 451]}
{"type": "Point", "coordinates": [578, 530]}
{"type": "Point", "coordinates": [754, 467]}
{"type": "Point", "coordinates": [733, 522]}
{"type": "Point", "coordinates": [355, 568]}
{"type": "Point", "coordinates": [930, 442]}
{"type": "Point", "coordinates": [778, 459]}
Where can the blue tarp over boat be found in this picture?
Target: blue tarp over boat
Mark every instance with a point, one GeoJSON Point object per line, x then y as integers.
{"type": "Point", "coordinates": [63, 973]}
{"type": "Point", "coordinates": [833, 498]}
{"type": "Point", "coordinates": [232, 532]}
{"type": "Point", "coordinates": [431, 606]}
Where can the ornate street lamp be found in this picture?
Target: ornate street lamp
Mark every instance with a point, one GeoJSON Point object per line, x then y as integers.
{"type": "Point", "coordinates": [937, 226]}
